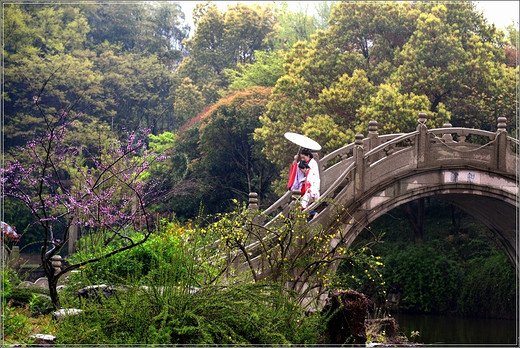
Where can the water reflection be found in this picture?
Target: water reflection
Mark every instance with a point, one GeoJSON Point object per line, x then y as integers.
{"type": "Point", "coordinates": [444, 329]}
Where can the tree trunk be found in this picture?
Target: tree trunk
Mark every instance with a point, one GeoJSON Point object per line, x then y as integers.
{"type": "Point", "coordinates": [416, 220]}
{"type": "Point", "coordinates": [456, 217]}
{"type": "Point", "coordinates": [52, 281]}
{"type": "Point", "coordinates": [53, 291]}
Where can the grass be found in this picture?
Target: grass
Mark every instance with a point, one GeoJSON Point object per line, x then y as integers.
{"type": "Point", "coordinates": [18, 324]}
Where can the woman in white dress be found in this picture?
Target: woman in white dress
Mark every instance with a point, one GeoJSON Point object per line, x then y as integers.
{"type": "Point", "coordinates": [312, 182]}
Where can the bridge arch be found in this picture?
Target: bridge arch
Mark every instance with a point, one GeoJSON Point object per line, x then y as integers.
{"type": "Point", "coordinates": [473, 169]}
{"type": "Point", "coordinates": [494, 206]}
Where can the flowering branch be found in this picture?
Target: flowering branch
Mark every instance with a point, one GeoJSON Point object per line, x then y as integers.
{"type": "Point", "coordinates": [106, 197]}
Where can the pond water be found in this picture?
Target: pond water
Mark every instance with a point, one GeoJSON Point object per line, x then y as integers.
{"type": "Point", "coordinates": [449, 330]}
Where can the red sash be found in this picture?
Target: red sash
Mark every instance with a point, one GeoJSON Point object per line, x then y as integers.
{"type": "Point", "coordinates": [305, 184]}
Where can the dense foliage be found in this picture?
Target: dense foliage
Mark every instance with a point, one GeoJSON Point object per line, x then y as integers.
{"type": "Point", "coordinates": [457, 267]}
{"type": "Point", "coordinates": [217, 104]}
{"type": "Point", "coordinates": [179, 287]}
{"type": "Point", "coordinates": [133, 65]}
{"type": "Point", "coordinates": [245, 314]}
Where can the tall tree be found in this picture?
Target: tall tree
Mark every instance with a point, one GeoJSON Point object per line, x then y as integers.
{"type": "Point", "coordinates": [376, 30]}
{"type": "Point", "coordinates": [106, 83]}
{"type": "Point", "coordinates": [117, 23]}
{"type": "Point", "coordinates": [396, 112]}
{"type": "Point", "coordinates": [207, 46]}
{"type": "Point", "coordinates": [437, 57]}
{"type": "Point", "coordinates": [246, 30]}
{"type": "Point", "coordinates": [265, 71]}
{"type": "Point", "coordinates": [230, 157]}
{"type": "Point", "coordinates": [453, 66]}
{"type": "Point", "coordinates": [139, 27]}
{"type": "Point", "coordinates": [294, 26]}
{"type": "Point", "coordinates": [188, 102]}
{"type": "Point", "coordinates": [136, 90]}
{"type": "Point", "coordinates": [432, 60]}
{"type": "Point", "coordinates": [221, 41]}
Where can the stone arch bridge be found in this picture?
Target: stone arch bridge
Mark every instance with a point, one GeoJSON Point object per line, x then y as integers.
{"type": "Point", "coordinates": [473, 169]}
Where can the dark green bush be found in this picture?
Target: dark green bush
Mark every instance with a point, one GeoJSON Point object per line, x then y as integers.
{"type": "Point", "coordinates": [488, 288]}
{"type": "Point", "coordinates": [35, 298]}
{"type": "Point", "coordinates": [40, 304]}
{"type": "Point", "coordinates": [19, 296]}
{"type": "Point", "coordinates": [428, 280]}
{"type": "Point", "coordinates": [141, 263]}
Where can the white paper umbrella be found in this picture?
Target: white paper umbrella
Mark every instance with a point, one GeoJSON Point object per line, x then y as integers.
{"type": "Point", "coordinates": [302, 141]}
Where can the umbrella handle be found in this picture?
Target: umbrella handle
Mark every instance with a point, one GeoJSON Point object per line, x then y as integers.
{"type": "Point", "coordinates": [298, 154]}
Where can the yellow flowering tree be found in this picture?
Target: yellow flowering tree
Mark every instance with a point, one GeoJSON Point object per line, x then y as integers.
{"type": "Point", "coordinates": [288, 251]}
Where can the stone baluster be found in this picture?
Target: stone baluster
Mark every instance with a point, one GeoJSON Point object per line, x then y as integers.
{"type": "Point", "coordinates": [447, 136]}
{"type": "Point", "coordinates": [422, 143]}
{"type": "Point", "coordinates": [373, 140]}
{"type": "Point", "coordinates": [373, 135]}
{"type": "Point", "coordinates": [501, 144]}
{"type": "Point", "coordinates": [359, 139]}
{"type": "Point", "coordinates": [359, 153]}
{"type": "Point", "coordinates": [253, 207]}
{"type": "Point", "coordinates": [296, 194]}
{"type": "Point", "coordinates": [253, 201]}
{"type": "Point", "coordinates": [501, 124]}
{"type": "Point", "coordinates": [423, 117]}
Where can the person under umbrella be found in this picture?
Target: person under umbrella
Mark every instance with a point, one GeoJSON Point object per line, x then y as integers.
{"type": "Point", "coordinates": [312, 182]}
{"type": "Point", "coordinates": [306, 143]}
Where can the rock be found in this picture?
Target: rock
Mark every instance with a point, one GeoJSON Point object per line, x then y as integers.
{"type": "Point", "coordinates": [40, 282]}
{"type": "Point", "coordinates": [43, 340]}
{"type": "Point", "coordinates": [95, 291]}
{"type": "Point", "coordinates": [64, 312]}
{"type": "Point", "coordinates": [112, 290]}
{"type": "Point", "coordinates": [347, 324]}
{"type": "Point", "coordinates": [386, 328]}
{"type": "Point", "coordinates": [92, 291]}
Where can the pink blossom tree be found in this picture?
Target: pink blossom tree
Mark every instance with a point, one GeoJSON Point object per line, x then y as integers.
{"type": "Point", "coordinates": [64, 184]}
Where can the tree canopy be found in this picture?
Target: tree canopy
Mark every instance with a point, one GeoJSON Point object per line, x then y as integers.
{"type": "Point", "coordinates": [219, 101]}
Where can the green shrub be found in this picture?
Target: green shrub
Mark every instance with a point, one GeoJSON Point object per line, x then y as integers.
{"type": "Point", "coordinates": [14, 322]}
{"type": "Point", "coordinates": [19, 295]}
{"type": "Point", "coordinates": [6, 283]}
{"type": "Point", "coordinates": [428, 280]}
{"type": "Point", "coordinates": [40, 304]}
{"type": "Point", "coordinates": [19, 323]}
{"type": "Point", "coordinates": [141, 263]}
{"type": "Point", "coordinates": [36, 299]}
{"type": "Point", "coordinates": [239, 314]}
{"type": "Point", "coordinates": [488, 288]}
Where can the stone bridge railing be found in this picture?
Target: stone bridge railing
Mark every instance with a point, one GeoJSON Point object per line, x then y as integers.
{"type": "Point", "coordinates": [365, 162]}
